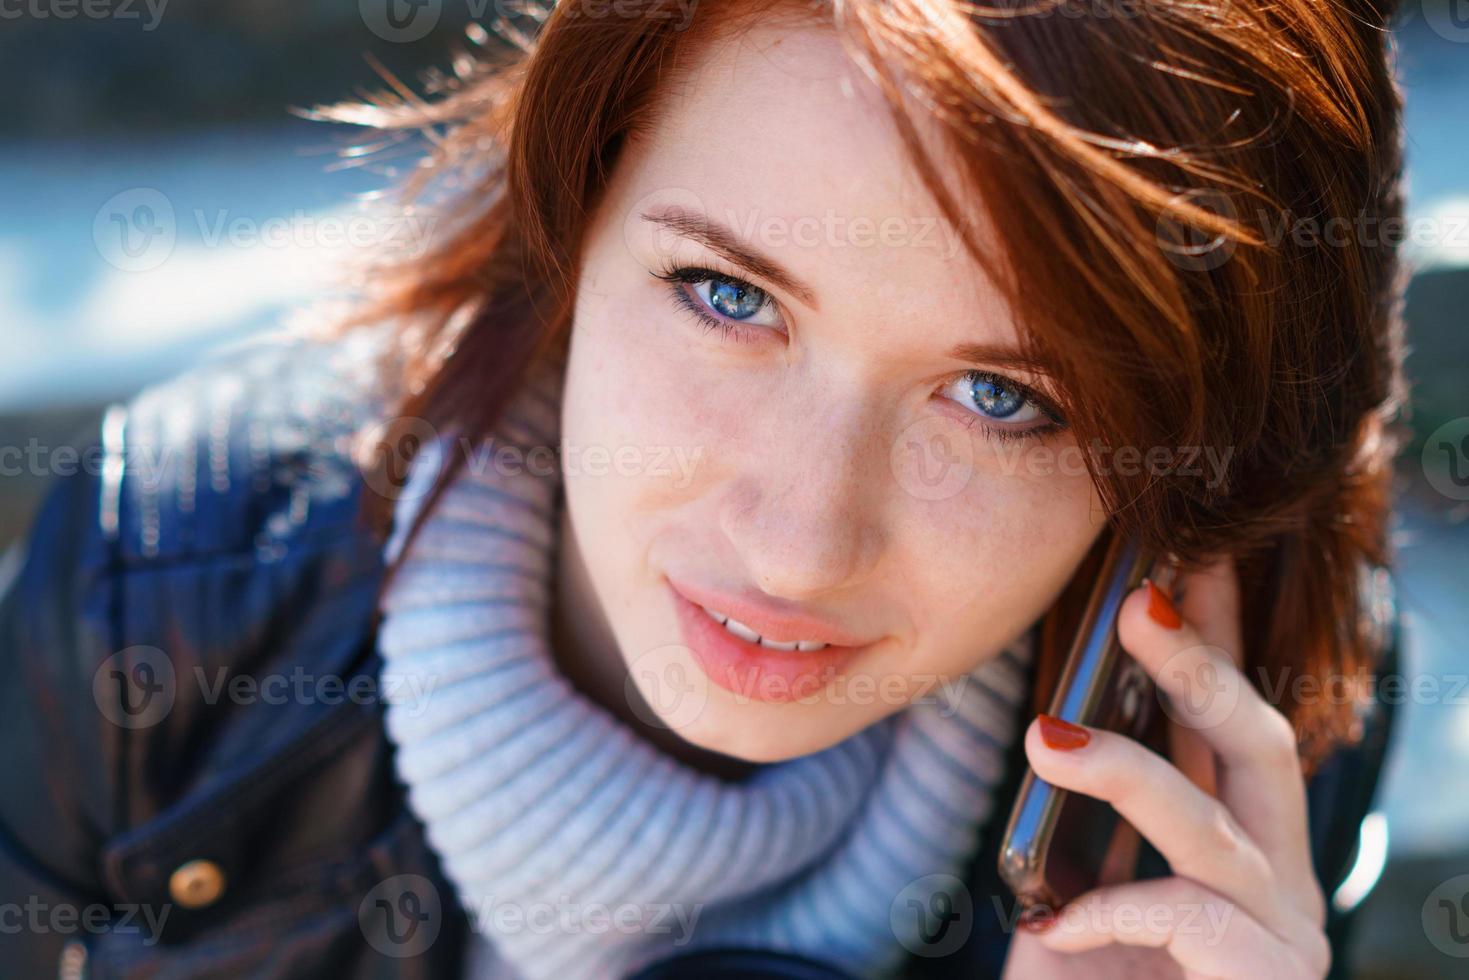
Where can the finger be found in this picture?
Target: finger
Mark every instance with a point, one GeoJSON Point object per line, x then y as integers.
{"type": "Point", "coordinates": [1186, 748]}
{"type": "Point", "coordinates": [1209, 599]}
{"type": "Point", "coordinates": [1259, 774]}
{"type": "Point", "coordinates": [1202, 931]}
{"type": "Point", "coordinates": [1193, 757]}
{"type": "Point", "coordinates": [1119, 860]}
{"type": "Point", "coordinates": [1194, 832]}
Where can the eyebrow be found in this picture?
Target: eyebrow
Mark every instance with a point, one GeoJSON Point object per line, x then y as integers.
{"type": "Point", "coordinates": [721, 240]}
{"type": "Point", "coordinates": [717, 238]}
{"type": "Point", "coordinates": [1001, 356]}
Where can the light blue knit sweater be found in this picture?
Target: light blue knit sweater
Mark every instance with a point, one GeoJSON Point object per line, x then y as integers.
{"type": "Point", "coordinates": [578, 849]}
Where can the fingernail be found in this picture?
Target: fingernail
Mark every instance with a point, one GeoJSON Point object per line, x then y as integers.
{"type": "Point", "coordinates": [1037, 918]}
{"type": "Point", "coordinates": [1160, 608]}
{"type": "Point", "coordinates": [1063, 735]}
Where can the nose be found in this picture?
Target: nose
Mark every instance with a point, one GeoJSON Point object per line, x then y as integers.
{"type": "Point", "coordinates": [804, 515]}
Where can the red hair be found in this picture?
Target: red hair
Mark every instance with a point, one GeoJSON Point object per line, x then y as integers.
{"type": "Point", "coordinates": [1122, 137]}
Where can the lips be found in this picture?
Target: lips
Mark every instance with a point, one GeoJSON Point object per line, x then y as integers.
{"type": "Point", "coordinates": [771, 620]}
{"type": "Point", "coordinates": [747, 633]}
{"type": "Point", "coordinates": [750, 668]}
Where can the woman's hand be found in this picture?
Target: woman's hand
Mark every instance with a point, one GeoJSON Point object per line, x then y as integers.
{"type": "Point", "coordinates": [1228, 812]}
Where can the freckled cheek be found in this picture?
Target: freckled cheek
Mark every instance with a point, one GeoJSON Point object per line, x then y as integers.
{"type": "Point", "coordinates": [634, 386]}
{"type": "Point", "coordinates": [677, 381]}
{"type": "Point", "coordinates": [990, 561]}
{"type": "Point", "coordinates": [1045, 517]}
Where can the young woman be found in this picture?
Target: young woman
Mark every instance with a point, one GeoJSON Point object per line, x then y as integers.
{"type": "Point", "coordinates": [731, 472]}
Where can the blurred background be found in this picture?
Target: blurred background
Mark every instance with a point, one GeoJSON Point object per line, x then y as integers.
{"type": "Point", "coordinates": [158, 199]}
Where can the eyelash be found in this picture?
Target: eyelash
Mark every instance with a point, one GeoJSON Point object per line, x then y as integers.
{"type": "Point", "coordinates": [681, 276]}
{"type": "Point", "coordinates": [691, 275]}
{"type": "Point", "coordinates": [1054, 422]}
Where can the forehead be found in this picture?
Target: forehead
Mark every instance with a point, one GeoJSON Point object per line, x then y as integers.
{"type": "Point", "coordinates": [777, 134]}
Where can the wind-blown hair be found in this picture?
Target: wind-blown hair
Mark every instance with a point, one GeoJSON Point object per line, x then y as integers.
{"type": "Point", "coordinates": [1145, 166]}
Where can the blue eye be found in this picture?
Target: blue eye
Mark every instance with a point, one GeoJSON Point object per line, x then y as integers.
{"type": "Point", "coordinates": [722, 301]}
{"type": "Point", "coordinates": [732, 306]}
{"type": "Point", "coordinates": [736, 300]}
{"type": "Point", "coordinates": [997, 399]}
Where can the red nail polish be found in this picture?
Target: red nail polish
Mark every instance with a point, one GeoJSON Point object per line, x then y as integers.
{"type": "Point", "coordinates": [1063, 735]}
{"type": "Point", "coordinates": [1160, 608]}
{"type": "Point", "coordinates": [1037, 918]}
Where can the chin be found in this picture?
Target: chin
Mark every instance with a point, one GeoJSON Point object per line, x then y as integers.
{"type": "Point", "coordinates": [762, 733]}
{"type": "Point", "coordinates": [750, 746]}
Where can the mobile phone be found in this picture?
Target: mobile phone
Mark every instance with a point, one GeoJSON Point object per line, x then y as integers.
{"type": "Point", "coordinates": [1058, 844]}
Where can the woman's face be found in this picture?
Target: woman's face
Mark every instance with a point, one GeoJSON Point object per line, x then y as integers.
{"type": "Point", "coordinates": [801, 444]}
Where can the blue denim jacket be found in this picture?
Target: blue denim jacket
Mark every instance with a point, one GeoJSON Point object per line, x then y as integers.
{"type": "Point", "coordinates": [196, 778]}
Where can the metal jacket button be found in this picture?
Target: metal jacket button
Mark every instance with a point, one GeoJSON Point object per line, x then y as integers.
{"type": "Point", "coordinates": [196, 884]}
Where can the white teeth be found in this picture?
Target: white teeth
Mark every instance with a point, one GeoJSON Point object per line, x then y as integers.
{"type": "Point", "coordinates": [741, 630]}
{"type": "Point", "coordinates": [745, 633]}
